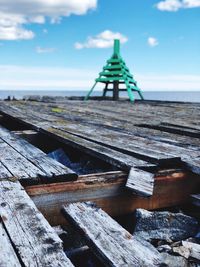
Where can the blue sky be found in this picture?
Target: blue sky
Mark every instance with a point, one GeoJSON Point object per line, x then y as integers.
{"type": "Point", "coordinates": [63, 45]}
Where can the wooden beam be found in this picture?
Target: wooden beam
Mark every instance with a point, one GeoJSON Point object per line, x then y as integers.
{"type": "Point", "coordinates": [140, 182]}
{"type": "Point", "coordinates": [28, 163]}
{"type": "Point", "coordinates": [113, 157]}
{"type": "Point", "coordinates": [137, 147]}
{"type": "Point", "coordinates": [8, 256]}
{"type": "Point", "coordinates": [34, 240]}
{"type": "Point", "coordinates": [108, 192]}
{"type": "Point", "coordinates": [110, 241]}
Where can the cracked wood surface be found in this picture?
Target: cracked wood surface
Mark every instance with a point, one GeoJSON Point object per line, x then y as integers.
{"type": "Point", "coordinates": [114, 245]}
{"type": "Point", "coordinates": [143, 135]}
{"type": "Point", "coordinates": [23, 161]}
{"type": "Point", "coordinates": [32, 238]}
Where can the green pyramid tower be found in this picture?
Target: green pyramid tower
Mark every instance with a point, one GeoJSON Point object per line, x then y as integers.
{"type": "Point", "coordinates": [115, 73]}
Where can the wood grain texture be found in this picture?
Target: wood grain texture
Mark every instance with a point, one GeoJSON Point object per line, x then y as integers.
{"type": "Point", "coordinates": [111, 243]}
{"type": "Point", "coordinates": [108, 192]}
{"type": "Point", "coordinates": [8, 256]}
{"type": "Point", "coordinates": [118, 132]}
{"type": "Point", "coordinates": [31, 235]}
{"type": "Point", "coordinates": [116, 158]}
{"type": "Point", "coordinates": [120, 126]}
{"type": "Point", "coordinates": [28, 163]}
{"type": "Point", "coordinates": [141, 182]}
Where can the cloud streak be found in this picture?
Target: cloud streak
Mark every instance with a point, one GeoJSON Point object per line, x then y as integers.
{"type": "Point", "coordinates": [175, 5]}
{"type": "Point", "coordinates": [45, 50]}
{"type": "Point", "coordinates": [39, 78]}
{"type": "Point", "coordinates": [102, 40]}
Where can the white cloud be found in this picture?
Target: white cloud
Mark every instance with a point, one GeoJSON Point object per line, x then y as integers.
{"type": "Point", "coordinates": [49, 78]}
{"type": "Point", "coordinates": [14, 14]}
{"type": "Point", "coordinates": [45, 50]}
{"type": "Point", "coordinates": [152, 41]}
{"type": "Point", "coordinates": [15, 33]}
{"type": "Point", "coordinates": [175, 5]}
{"type": "Point", "coordinates": [11, 27]}
{"type": "Point", "coordinates": [102, 40]}
{"type": "Point", "coordinates": [191, 3]}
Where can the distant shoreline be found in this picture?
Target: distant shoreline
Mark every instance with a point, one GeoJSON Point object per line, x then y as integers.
{"type": "Point", "coordinates": [185, 96]}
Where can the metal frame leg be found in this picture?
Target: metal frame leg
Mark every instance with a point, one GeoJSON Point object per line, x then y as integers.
{"type": "Point", "coordinates": [141, 95]}
{"type": "Point", "coordinates": [89, 93]}
{"type": "Point", "coordinates": [105, 90]}
{"type": "Point", "coordinates": [130, 93]}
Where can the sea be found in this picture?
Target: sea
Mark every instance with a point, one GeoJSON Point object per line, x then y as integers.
{"type": "Point", "coordinates": [184, 96]}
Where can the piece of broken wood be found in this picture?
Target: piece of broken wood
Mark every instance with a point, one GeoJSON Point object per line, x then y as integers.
{"type": "Point", "coordinates": [140, 182]}
{"type": "Point", "coordinates": [8, 256]}
{"type": "Point", "coordinates": [111, 242]}
{"type": "Point", "coordinates": [35, 241]}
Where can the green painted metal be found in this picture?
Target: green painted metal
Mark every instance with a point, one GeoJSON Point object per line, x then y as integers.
{"type": "Point", "coordinates": [116, 72]}
{"type": "Point", "coordinates": [116, 48]}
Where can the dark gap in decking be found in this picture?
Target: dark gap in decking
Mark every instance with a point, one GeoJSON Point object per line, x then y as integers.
{"type": "Point", "coordinates": [76, 248]}
{"type": "Point", "coordinates": [176, 162]}
{"type": "Point", "coordinates": [184, 131]}
{"type": "Point", "coordinates": [48, 144]}
{"type": "Point", "coordinates": [13, 246]}
{"type": "Point", "coordinates": [13, 124]}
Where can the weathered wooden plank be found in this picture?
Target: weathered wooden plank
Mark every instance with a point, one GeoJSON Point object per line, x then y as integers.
{"type": "Point", "coordinates": [111, 243]}
{"type": "Point", "coordinates": [123, 117]}
{"type": "Point", "coordinates": [128, 128]}
{"type": "Point", "coordinates": [32, 237]}
{"type": "Point", "coordinates": [151, 111]}
{"type": "Point", "coordinates": [121, 126]}
{"type": "Point", "coordinates": [111, 156]}
{"type": "Point", "coordinates": [150, 133]}
{"type": "Point", "coordinates": [136, 146]}
{"type": "Point", "coordinates": [4, 173]}
{"type": "Point", "coordinates": [50, 170]}
{"type": "Point", "coordinates": [141, 182]}
{"type": "Point", "coordinates": [138, 113]}
{"type": "Point", "coordinates": [20, 167]}
{"type": "Point", "coordinates": [8, 257]}
{"type": "Point", "coordinates": [147, 112]}
{"type": "Point", "coordinates": [165, 127]}
{"type": "Point", "coordinates": [120, 138]}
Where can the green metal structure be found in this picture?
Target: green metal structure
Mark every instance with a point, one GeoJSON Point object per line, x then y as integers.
{"type": "Point", "coordinates": [115, 73]}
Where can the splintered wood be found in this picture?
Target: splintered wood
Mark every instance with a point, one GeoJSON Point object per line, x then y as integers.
{"type": "Point", "coordinates": [26, 231]}
{"type": "Point", "coordinates": [8, 256]}
{"type": "Point", "coordinates": [111, 242]}
{"type": "Point", "coordinates": [141, 181]}
{"type": "Point", "coordinates": [22, 161]}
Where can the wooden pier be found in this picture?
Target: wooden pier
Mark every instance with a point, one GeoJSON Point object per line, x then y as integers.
{"type": "Point", "coordinates": [145, 155]}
